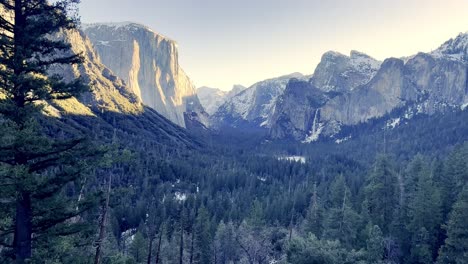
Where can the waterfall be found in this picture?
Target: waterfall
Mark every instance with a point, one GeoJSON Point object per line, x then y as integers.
{"type": "Point", "coordinates": [314, 124]}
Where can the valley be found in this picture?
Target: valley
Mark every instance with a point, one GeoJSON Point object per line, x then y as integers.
{"type": "Point", "coordinates": [110, 154]}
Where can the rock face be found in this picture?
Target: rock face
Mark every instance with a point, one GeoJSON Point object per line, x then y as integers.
{"type": "Point", "coordinates": [342, 94]}
{"type": "Point", "coordinates": [297, 110]}
{"type": "Point", "coordinates": [148, 63]}
{"type": "Point", "coordinates": [340, 73]}
{"type": "Point", "coordinates": [212, 98]}
{"type": "Point", "coordinates": [388, 89]}
{"type": "Point", "coordinates": [111, 104]}
{"type": "Point", "coordinates": [253, 106]}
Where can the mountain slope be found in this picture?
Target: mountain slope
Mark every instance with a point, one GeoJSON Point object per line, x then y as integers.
{"type": "Point", "coordinates": [148, 63]}
{"type": "Point", "coordinates": [253, 106]}
{"type": "Point", "coordinates": [212, 98]}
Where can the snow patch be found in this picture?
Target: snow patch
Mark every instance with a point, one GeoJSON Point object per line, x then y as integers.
{"type": "Point", "coordinates": [314, 136]}
{"type": "Point", "coordinates": [454, 49]}
{"type": "Point", "coordinates": [116, 25]}
{"type": "Point", "coordinates": [300, 159]}
{"type": "Point", "coordinates": [180, 197]}
{"type": "Point", "coordinates": [129, 235]}
{"type": "Point", "coordinates": [363, 62]}
{"type": "Point", "coordinates": [341, 140]}
{"type": "Point", "coordinates": [393, 123]}
{"type": "Point", "coordinates": [464, 106]}
{"type": "Point", "coordinates": [103, 43]}
{"type": "Point", "coordinates": [262, 179]}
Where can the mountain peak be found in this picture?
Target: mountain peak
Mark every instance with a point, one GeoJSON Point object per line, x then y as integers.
{"type": "Point", "coordinates": [455, 48]}
{"type": "Point", "coordinates": [332, 54]}
{"type": "Point", "coordinates": [359, 54]}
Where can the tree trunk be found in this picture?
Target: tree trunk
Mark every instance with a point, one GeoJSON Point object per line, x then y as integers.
{"type": "Point", "coordinates": [181, 249]}
{"type": "Point", "coordinates": [343, 208]}
{"type": "Point", "coordinates": [158, 252]}
{"type": "Point", "coordinates": [23, 229]}
{"type": "Point", "coordinates": [102, 229]}
{"type": "Point", "coordinates": [191, 245]}
{"type": "Point", "coordinates": [22, 244]}
{"type": "Point", "coordinates": [150, 250]}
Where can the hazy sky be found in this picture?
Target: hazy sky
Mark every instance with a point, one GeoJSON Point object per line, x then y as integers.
{"type": "Point", "coordinates": [226, 42]}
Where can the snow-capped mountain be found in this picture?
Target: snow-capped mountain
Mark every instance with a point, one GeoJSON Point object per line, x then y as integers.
{"type": "Point", "coordinates": [456, 48]}
{"type": "Point", "coordinates": [213, 98]}
{"type": "Point", "coordinates": [148, 63]}
{"type": "Point", "coordinates": [340, 73]}
{"type": "Point", "coordinates": [253, 106]}
{"type": "Point", "coordinates": [433, 82]}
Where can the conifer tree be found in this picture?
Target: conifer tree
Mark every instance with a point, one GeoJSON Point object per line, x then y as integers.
{"type": "Point", "coordinates": [381, 194]}
{"type": "Point", "coordinates": [456, 245]}
{"type": "Point", "coordinates": [34, 166]}
{"type": "Point", "coordinates": [424, 216]}
{"type": "Point", "coordinates": [375, 249]}
{"type": "Point", "coordinates": [314, 219]}
{"type": "Point", "coordinates": [138, 248]}
{"type": "Point", "coordinates": [203, 238]}
{"type": "Point", "coordinates": [341, 222]}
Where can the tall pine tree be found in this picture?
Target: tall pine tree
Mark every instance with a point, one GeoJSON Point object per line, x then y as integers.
{"type": "Point", "coordinates": [456, 245]}
{"type": "Point", "coordinates": [34, 166]}
{"type": "Point", "coordinates": [381, 194]}
{"type": "Point", "coordinates": [424, 216]}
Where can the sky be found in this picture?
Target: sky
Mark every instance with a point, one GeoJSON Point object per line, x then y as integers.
{"type": "Point", "coordinates": [227, 42]}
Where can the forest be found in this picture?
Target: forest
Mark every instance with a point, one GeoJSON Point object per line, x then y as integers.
{"type": "Point", "coordinates": [79, 190]}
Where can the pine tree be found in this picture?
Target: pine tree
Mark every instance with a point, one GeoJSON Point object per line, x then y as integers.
{"type": "Point", "coordinates": [314, 219]}
{"type": "Point", "coordinates": [203, 238]}
{"type": "Point", "coordinates": [341, 222]}
{"type": "Point", "coordinates": [375, 249]}
{"type": "Point", "coordinates": [455, 177]}
{"type": "Point", "coordinates": [381, 194]}
{"type": "Point", "coordinates": [35, 166]}
{"type": "Point", "coordinates": [424, 216]}
{"type": "Point", "coordinates": [456, 245]}
{"type": "Point", "coordinates": [421, 251]}
{"type": "Point", "coordinates": [138, 248]}
{"type": "Point", "coordinates": [225, 243]}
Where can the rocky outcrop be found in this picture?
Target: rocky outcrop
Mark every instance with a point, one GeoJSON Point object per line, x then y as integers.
{"type": "Point", "coordinates": [340, 73]}
{"type": "Point", "coordinates": [148, 63]}
{"type": "Point", "coordinates": [442, 80]}
{"type": "Point", "coordinates": [388, 89]}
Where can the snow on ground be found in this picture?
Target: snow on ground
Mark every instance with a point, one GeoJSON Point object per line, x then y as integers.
{"type": "Point", "coordinates": [393, 123]}
{"type": "Point", "coordinates": [104, 43]}
{"type": "Point", "coordinates": [341, 140]}
{"type": "Point", "coordinates": [314, 136]}
{"type": "Point", "coordinates": [180, 196]}
{"type": "Point", "coordinates": [464, 106]}
{"type": "Point", "coordinates": [262, 179]}
{"type": "Point", "coordinates": [300, 159]}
